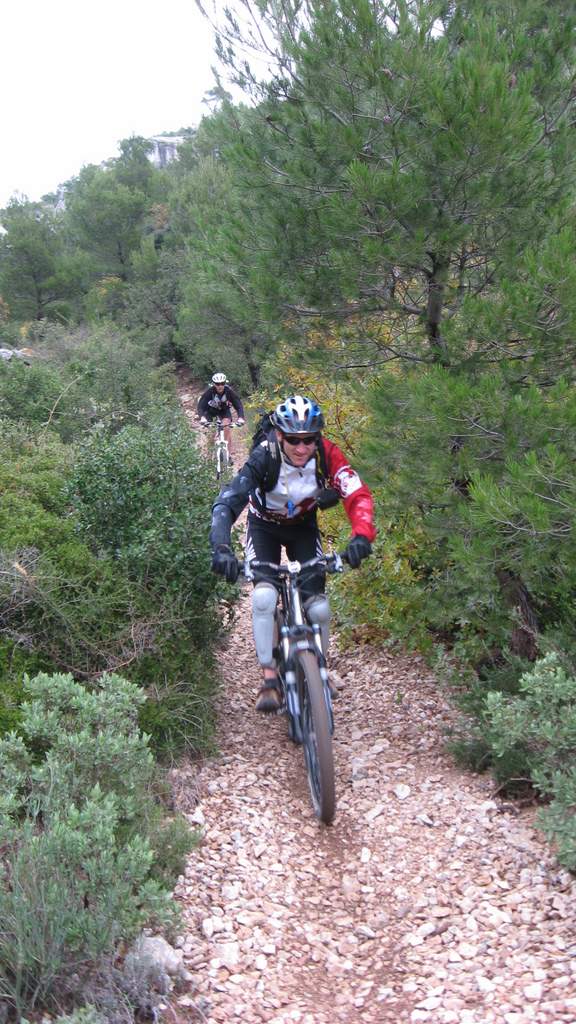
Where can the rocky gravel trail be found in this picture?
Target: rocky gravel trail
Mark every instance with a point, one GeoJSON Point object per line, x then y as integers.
{"type": "Point", "coordinates": [427, 900]}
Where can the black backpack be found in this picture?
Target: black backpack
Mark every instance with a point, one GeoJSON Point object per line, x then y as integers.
{"type": "Point", "coordinates": [264, 428]}
{"type": "Point", "coordinates": [265, 431]}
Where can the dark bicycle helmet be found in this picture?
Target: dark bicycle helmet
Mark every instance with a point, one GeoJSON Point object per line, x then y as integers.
{"type": "Point", "coordinates": [298, 415]}
{"type": "Point", "coordinates": [219, 378]}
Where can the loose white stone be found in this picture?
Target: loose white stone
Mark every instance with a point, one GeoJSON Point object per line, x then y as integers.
{"type": "Point", "coordinates": [484, 984]}
{"type": "Point", "coordinates": [467, 950]}
{"type": "Point", "coordinates": [229, 953]}
{"type": "Point", "coordinates": [402, 791]}
{"type": "Point", "coordinates": [374, 812]}
{"type": "Point", "coordinates": [431, 1003]}
{"type": "Point", "coordinates": [533, 992]}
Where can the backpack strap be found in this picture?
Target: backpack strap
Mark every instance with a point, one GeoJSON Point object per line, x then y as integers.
{"type": "Point", "coordinates": [272, 470]}
{"type": "Point", "coordinates": [329, 496]}
{"type": "Point", "coordinates": [322, 471]}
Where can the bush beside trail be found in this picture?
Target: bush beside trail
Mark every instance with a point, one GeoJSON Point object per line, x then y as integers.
{"type": "Point", "coordinates": [88, 853]}
{"type": "Point", "coordinates": [81, 379]}
{"type": "Point", "coordinates": [107, 626]}
{"type": "Point", "coordinates": [105, 568]}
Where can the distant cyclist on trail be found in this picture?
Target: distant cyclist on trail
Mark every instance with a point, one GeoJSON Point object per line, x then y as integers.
{"type": "Point", "coordinates": [284, 482]}
{"type": "Point", "coordinates": [217, 403]}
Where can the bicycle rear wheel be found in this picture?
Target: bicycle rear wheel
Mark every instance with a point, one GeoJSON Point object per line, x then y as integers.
{"type": "Point", "coordinates": [316, 738]}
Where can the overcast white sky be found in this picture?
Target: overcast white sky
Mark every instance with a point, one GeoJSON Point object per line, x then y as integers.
{"type": "Point", "coordinates": [76, 77]}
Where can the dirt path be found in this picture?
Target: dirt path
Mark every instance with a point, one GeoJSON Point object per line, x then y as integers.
{"type": "Point", "coordinates": [427, 900]}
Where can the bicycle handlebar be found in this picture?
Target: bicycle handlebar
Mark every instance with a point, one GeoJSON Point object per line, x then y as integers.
{"type": "Point", "coordinates": [331, 563]}
{"type": "Point", "coordinates": [217, 423]}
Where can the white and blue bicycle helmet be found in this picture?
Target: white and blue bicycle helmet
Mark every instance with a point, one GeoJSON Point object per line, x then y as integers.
{"type": "Point", "coordinates": [219, 378]}
{"type": "Point", "coordinates": [298, 415]}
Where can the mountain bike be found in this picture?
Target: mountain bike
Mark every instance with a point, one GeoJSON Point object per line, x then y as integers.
{"type": "Point", "coordinates": [303, 675]}
{"type": "Point", "coordinates": [221, 450]}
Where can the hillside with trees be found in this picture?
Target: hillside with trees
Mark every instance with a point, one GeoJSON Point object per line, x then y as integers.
{"type": "Point", "coordinates": [386, 223]}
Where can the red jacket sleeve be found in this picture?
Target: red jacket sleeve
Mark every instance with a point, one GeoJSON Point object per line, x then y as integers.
{"type": "Point", "coordinates": [356, 496]}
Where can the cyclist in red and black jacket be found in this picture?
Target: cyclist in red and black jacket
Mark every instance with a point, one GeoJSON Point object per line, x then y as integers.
{"type": "Point", "coordinates": [283, 483]}
{"type": "Point", "coordinates": [217, 402]}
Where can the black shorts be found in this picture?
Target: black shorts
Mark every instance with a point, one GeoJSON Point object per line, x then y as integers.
{"type": "Point", "coordinates": [265, 540]}
{"type": "Point", "coordinates": [218, 414]}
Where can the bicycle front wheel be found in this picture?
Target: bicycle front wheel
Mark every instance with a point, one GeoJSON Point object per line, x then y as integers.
{"type": "Point", "coordinates": [221, 461]}
{"type": "Point", "coordinates": [316, 738]}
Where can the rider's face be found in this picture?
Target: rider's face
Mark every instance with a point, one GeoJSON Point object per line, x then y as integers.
{"type": "Point", "coordinates": [219, 388]}
{"type": "Point", "coordinates": [298, 454]}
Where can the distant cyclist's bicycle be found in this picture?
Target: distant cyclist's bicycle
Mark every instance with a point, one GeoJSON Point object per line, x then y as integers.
{"type": "Point", "coordinates": [222, 452]}
{"type": "Point", "coordinates": [303, 675]}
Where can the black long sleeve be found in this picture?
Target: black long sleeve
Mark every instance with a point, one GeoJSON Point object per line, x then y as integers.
{"type": "Point", "coordinates": [236, 402]}
{"type": "Point", "coordinates": [234, 496]}
{"type": "Point", "coordinates": [203, 406]}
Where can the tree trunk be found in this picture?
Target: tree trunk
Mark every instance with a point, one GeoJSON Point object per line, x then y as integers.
{"type": "Point", "coordinates": [434, 307]}
{"type": "Point", "coordinates": [253, 368]}
{"type": "Point", "coordinates": [523, 638]}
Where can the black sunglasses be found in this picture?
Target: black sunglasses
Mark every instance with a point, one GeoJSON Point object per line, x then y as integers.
{"type": "Point", "coordinates": [294, 440]}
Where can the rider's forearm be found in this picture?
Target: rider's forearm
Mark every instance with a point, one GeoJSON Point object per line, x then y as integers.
{"type": "Point", "coordinates": [360, 511]}
{"type": "Point", "coordinates": [234, 497]}
{"type": "Point", "coordinates": [237, 403]}
{"type": "Point", "coordinates": [222, 520]}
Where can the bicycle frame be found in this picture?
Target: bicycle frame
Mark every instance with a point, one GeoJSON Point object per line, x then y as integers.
{"type": "Point", "coordinates": [222, 454]}
{"type": "Point", "coordinates": [303, 677]}
{"type": "Point", "coordinates": [296, 634]}
{"type": "Point", "coordinates": [221, 444]}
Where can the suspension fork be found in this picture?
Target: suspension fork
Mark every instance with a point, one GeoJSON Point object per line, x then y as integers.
{"type": "Point", "coordinates": [318, 650]}
{"type": "Point", "coordinates": [283, 615]}
{"type": "Point", "coordinates": [323, 667]}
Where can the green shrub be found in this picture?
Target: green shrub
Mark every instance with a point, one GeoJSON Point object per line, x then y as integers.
{"type": "Point", "coordinates": [61, 606]}
{"type": "Point", "coordinates": [33, 465]}
{"type": "Point", "coordinates": [87, 1015]}
{"type": "Point", "coordinates": [77, 817]}
{"type": "Point", "coordinates": [30, 393]}
{"type": "Point", "coordinates": [180, 685]}
{"type": "Point", "coordinates": [533, 736]}
{"type": "Point", "coordinates": [484, 467]}
{"type": "Point", "coordinates": [83, 378]}
{"type": "Point", "coordinates": [143, 497]}
{"type": "Point", "coordinates": [12, 667]}
{"type": "Point", "coordinates": [147, 605]}
{"type": "Point", "coordinates": [390, 608]}
{"type": "Point", "coordinates": [67, 607]}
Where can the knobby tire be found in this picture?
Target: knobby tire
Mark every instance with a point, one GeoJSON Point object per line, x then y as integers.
{"type": "Point", "coordinates": [221, 462]}
{"type": "Point", "coordinates": [317, 738]}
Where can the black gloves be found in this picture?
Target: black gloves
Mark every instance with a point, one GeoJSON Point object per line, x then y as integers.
{"type": "Point", "coordinates": [328, 498]}
{"type": "Point", "coordinates": [358, 548]}
{"type": "Point", "coordinates": [225, 563]}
